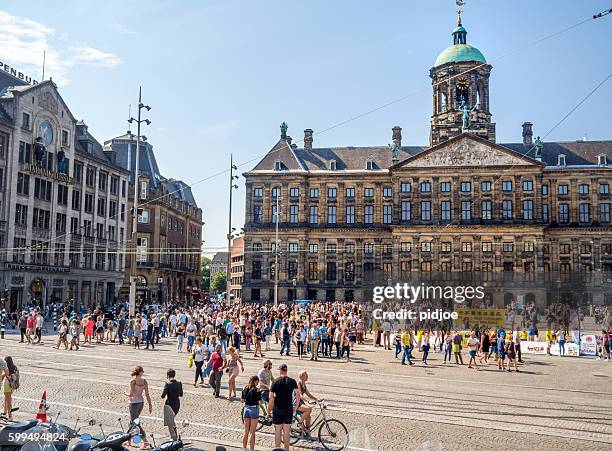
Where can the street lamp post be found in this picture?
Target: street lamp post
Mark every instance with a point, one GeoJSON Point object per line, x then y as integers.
{"type": "Point", "coordinates": [278, 198]}
{"type": "Point", "coordinates": [230, 229]}
{"type": "Point", "coordinates": [132, 299]}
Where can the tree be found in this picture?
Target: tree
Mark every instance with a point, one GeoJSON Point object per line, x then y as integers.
{"type": "Point", "coordinates": [205, 271]}
{"type": "Point", "coordinates": [218, 283]}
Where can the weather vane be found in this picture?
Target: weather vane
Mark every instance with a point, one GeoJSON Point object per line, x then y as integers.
{"type": "Point", "coordinates": [459, 3]}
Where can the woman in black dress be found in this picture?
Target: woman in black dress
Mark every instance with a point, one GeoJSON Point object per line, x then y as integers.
{"type": "Point", "coordinates": [485, 346]}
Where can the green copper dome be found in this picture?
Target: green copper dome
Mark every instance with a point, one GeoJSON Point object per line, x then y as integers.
{"type": "Point", "coordinates": [460, 52]}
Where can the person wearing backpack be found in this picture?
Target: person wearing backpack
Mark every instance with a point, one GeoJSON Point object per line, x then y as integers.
{"type": "Point", "coordinates": [10, 383]}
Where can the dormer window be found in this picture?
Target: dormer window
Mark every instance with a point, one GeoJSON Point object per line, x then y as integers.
{"type": "Point", "coordinates": [561, 160]}
{"type": "Point", "coordinates": [144, 189]}
{"type": "Point", "coordinates": [333, 165]}
{"type": "Point", "coordinates": [370, 165]}
{"type": "Point", "coordinates": [602, 159]}
{"type": "Point", "coordinates": [278, 165]}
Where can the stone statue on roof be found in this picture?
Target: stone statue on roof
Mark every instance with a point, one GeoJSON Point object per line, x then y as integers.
{"type": "Point", "coordinates": [394, 151]}
{"type": "Point", "coordinates": [283, 128]}
{"type": "Point", "coordinates": [539, 145]}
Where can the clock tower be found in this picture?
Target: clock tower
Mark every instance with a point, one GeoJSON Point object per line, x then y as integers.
{"type": "Point", "coordinates": [460, 81]}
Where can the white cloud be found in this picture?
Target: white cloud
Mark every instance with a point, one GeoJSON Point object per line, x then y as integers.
{"type": "Point", "coordinates": [89, 55]}
{"type": "Point", "coordinates": [23, 42]}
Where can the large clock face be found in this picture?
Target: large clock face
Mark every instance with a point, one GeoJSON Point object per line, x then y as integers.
{"type": "Point", "coordinates": [45, 131]}
{"type": "Point", "coordinates": [463, 83]}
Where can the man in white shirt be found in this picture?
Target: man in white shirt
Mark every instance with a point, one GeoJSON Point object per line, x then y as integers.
{"type": "Point", "coordinates": [40, 321]}
{"type": "Point", "coordinates": [473, 343]}
{"type": "Point", "coordinates": [191, 330]}
{"type": "Point", "coordinates": [386, 329]}
{"type": "Point", "coordinates": [173, 321]}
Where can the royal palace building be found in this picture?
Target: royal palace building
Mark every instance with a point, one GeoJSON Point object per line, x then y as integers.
{"type": "Point", "coordinates": [62, 216]}
{"type": "Point", "coordinates": [465, 204]}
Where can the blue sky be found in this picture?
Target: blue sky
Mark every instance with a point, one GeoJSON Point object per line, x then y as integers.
{"type": "Point", "coordinates": [222, 75]}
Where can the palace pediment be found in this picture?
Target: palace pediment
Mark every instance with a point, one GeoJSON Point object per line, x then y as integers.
{"type": "Point", "coordinates": [467, 150]}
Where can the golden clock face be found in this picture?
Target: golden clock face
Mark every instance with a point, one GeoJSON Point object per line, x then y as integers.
{"type": "Point", "coordinates": [463, 83]}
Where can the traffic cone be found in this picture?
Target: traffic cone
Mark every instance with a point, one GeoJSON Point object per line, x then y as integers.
{"type": "Point", "coordinates": [42, 408]}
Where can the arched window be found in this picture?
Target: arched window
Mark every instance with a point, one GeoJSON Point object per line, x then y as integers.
{"type": "Point", "coordinates": [480, 98]}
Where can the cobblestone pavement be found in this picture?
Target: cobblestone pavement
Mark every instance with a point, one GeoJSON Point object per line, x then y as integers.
{"type": "Point", "coordinates": [553, 403]}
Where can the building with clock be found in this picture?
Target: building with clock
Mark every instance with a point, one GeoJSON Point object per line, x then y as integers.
{"type": "Point", "coordinates": [536, 213]}
{"type": "Point", "coordinates": [63, 202]}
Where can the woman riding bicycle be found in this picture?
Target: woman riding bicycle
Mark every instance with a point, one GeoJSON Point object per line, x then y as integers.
{"type": "Point", "coordinates": [303, 407]}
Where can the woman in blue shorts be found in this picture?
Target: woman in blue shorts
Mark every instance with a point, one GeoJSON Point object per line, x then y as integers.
{"type": "Point", "coordinates": [251, 397]}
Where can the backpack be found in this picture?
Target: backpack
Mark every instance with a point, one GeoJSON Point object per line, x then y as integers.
{"type": "Point", "coordinates": [13, 380]}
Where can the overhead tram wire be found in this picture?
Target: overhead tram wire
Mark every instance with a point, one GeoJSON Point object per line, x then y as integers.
{"type": "Point", "coordinates": [339, 250]}
{"type": "Point", "coordinates": [344, 122]}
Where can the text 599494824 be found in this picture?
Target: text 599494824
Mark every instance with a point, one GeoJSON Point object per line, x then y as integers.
{"type": "Point", "coordinates": [37, 436]}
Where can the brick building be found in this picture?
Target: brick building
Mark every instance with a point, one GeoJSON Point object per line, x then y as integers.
{"type": "Point", "coordinates": [169, 238]}
{"type": "Point", "coordinates": [463, 204]}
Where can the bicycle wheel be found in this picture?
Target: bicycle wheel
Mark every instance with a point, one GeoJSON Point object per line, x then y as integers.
{"type": "Point", "coordinates": [333, 435]}
{"type": "Point", "coordinates": [295, 432]}
{"type": "Point", "coordinates": [261, 421]}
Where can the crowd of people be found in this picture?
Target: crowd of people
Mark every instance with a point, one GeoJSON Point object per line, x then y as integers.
{"type": "Point", "coordinates": [482, 344]}
{"type": "Point", "coordinates": [214, 337]}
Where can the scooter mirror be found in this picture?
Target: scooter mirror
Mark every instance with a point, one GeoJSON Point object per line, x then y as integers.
{"type": "Point", "coordinates": [136, 439]}
{"type": "Point", "coordinates": [85, 437]}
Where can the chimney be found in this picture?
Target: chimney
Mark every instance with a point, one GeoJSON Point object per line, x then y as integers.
{"type": "Point", "coordinates": [397, 143]}
{"type": "Point", "coordinates": [527, 134]}
{"type": "Point", "coordinates": [397, 136]}
{"type": "Point", "coordinates": [308, 139]}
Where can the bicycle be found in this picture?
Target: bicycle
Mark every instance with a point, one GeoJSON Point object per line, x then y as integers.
{"type": "Point", "coordinates": [332, 433]}
{"type": "Point", "coordinates": [263, 419]}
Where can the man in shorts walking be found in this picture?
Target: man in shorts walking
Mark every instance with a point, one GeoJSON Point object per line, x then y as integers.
{"type": "Point", "coordinates": [473, 343]}
{"type": "Point", "coordinates": [282, 405]}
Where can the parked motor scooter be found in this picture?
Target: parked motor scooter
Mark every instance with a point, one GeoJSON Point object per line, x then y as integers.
{"type": "Point", "coordinates": [110, 442]}
{"type": "Point", "coordinates": [14, 435]}
{"type": "Point", "coordinates": [33, 435]}
{"type": "Point", "coordinates": [172, 445]}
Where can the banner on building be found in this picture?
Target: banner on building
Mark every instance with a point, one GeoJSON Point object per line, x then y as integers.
{"type": "Point", "coordinates": [481, 316]}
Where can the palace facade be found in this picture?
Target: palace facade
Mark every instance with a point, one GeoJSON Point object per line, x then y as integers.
{"type": "Point", "coordinates": [465, 204]}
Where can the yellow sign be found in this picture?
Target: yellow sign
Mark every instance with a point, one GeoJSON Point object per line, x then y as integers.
{"type": "Point", "coordinates": [482, 316]}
